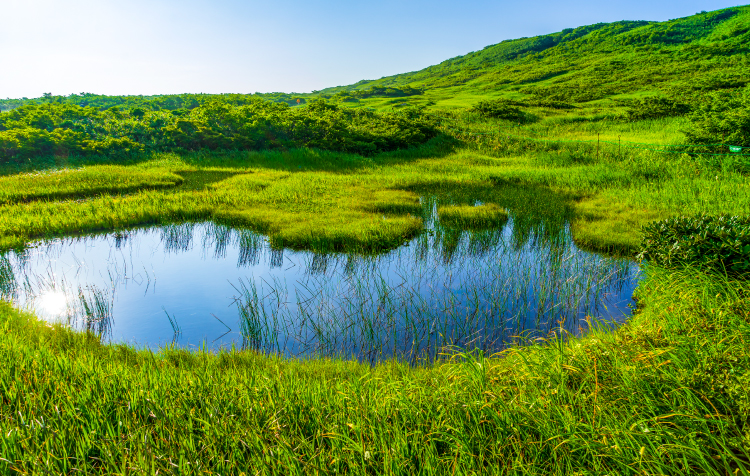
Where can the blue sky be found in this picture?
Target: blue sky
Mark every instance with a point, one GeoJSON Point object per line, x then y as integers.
{"type": "Point", "coordinates": [233, 46]}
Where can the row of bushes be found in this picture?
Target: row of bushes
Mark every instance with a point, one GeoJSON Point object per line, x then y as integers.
{"type": "Point", "coordinates": [714, 117]}
{"type": "Point", "coordinates": [63, 129]}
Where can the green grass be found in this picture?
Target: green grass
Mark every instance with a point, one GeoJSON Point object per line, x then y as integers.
{"type": "Point", "coordinates": [587, 65]}
{"type": "Point", "coordinates": [303, 198]}
{"type": "Point", "coordinates": [82, 183]}
{"type": "Point", "coordinates": [468, 217]}
{"type": "Point", "coordinates": [666, 394]}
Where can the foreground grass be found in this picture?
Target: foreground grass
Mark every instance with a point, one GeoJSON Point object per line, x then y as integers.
{"type": "Point", "coordinates": [665, 394]}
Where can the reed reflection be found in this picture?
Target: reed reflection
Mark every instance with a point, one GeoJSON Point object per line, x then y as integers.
{"type": "Point", "coordinates": [485, 287]}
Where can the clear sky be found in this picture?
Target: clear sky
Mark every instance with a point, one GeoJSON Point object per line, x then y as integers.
{"type": "Point", "coordinates": [244, 46]}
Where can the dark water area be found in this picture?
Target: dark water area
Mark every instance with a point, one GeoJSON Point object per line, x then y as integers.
{"type": "Point", "coordinates": [210, 286]}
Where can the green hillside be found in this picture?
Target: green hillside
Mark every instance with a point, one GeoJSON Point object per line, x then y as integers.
{"type": "Point", "coordinates": [700, 53]}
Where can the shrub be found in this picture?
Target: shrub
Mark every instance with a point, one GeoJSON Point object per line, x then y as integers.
{"type": "Point", "coordinates": [500, 109]}
{"type": "Point", "coordinates": [722, 116]}
{"type": "Point", "coordinates": [56, 129]}
{"type": "Point", "coordinates": [549, 103]}
{"type": "Point", "coordinates": [655, 108]}
{"type": "Point", "coordinates": [716, 243]}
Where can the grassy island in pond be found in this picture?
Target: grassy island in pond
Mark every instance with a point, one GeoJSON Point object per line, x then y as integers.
{"type": "Point", "coordinates": [575, 130]}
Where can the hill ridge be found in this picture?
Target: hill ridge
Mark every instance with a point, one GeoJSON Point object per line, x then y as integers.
{"type": "Point", "coordinates": [726, 28]}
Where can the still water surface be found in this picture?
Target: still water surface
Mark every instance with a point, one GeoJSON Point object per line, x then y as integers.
{"type": "Point", "coordinates": [202, 284]}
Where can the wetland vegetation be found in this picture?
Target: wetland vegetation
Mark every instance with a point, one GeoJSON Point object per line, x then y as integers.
{"type": "Point", "coordinates": [486, 288]}
{"type": "Point", "coordinates": [588, 135]}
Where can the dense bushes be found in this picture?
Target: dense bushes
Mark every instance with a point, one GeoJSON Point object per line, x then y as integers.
{"type": "Point", "coordinates": [501, 109]}
{"type": "Point", "coordinates": [375, 91]}
{"type": "Point", "coordinates": [654, 107]}
{"type": "Point", "coordinates": [722, 116]}
{"type": "Point", "coordinates": [718, 243]}
{"type": "Point", "coordinates": [169, 102]}
{"type": "Point", "coordinates": [63, 129]}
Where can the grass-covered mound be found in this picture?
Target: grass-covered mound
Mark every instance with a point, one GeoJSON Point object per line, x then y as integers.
{"type": "Point", "coordinates": [468, 217]}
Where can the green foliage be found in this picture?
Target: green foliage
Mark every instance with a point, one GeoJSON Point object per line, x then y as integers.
{"type": "Point", "coordinates": [168, 102]}
{"type": "Point", "coordinates": [653, 107]}
{"type": "Point", "coordinates": [681, 57]}
{"type": "Point", "coordinates": [468, 217]}
{"type": "Point", "coordinates": [548, 103]}
{"type": "Point", "coordinates": [718, 243]}
{"type": "Point", "coordinates": [500, 109]}
{"type": "Point", "coordinates": [721, 117]}
{"type": "Point", "coordinates": [376, 91]}
{"type": "Point", "coordinates": [664, 394]}
{"type": "Point", "coordinates": [64, 129]}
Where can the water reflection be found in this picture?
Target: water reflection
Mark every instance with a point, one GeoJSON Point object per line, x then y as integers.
{"type": "Point", "coordinates": [219, 286]}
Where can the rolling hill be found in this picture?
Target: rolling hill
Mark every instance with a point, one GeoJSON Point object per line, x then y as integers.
{"type": "Point", "coordinates": [699, 53]}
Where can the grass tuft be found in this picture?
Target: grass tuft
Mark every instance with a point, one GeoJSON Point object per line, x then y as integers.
{"type": "Point", "coordinates": [469, 217]}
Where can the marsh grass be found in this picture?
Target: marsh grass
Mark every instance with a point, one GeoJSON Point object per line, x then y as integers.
{"type": "Point", "coordinates": [664, 394]}
{"type": "Point", "coordinates": [619, 173]}
{"type": "Point", "coordinates": [81, 183]}
{"type": "Point", "coordinates": [83, 308]}
{"type": "Point", "coordinates": [95, 310]}
{"type": "Point", "coordinates": [471, 294]}
{"type": "Point", "coordinates": [473, 288]}
{"type": "Point", "coordinates": [259, 329]}
{"type": "Point", "coordinates": [173, 324]}
{"type": "Point", "coordinates": [657, 396]}
{"type": "Point", "coordinates": [327, 201]}
{"type": "Point", "coordinates": [467, 217]}
{"type": "Point", "coordinates": [8, 283]}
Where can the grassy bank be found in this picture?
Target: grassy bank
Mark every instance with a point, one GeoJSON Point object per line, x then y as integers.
{"type": "Point", "coordinates": [305, 198]}
{"type": "Point", "coordinates": [666, 394]}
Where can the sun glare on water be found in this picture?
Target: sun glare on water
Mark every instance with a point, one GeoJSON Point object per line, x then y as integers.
{"type": "Point", "coordinates": [52, 305]}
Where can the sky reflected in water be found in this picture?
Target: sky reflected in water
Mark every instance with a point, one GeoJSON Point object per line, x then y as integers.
{"type": "Point", "coordinates": [207, 285]}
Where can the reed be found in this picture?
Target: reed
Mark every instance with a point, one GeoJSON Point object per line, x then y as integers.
{"type": "Point", "coordinates": [656, 396]}
{"type": "Point", "coordinates": [96, 310]}
{"type": "Point", "coordinates": [467, 217]}
{"type": "Point", "coordinates": [174, 324]}
{"type": "Point", "coordinates": [470, 294]}
{"type": "Point", "coordinates": [663, 394]}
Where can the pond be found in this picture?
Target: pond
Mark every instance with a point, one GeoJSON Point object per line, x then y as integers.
{"type": "Point", "coordinates": [211, 286]}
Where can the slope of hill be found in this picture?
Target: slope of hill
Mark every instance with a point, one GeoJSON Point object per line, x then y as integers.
{"type": "Point", "coordinates": [703, 52]}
